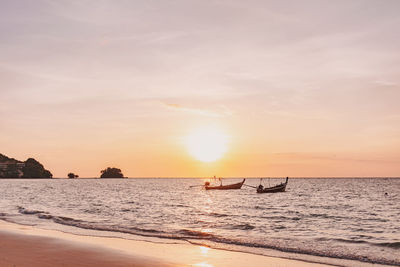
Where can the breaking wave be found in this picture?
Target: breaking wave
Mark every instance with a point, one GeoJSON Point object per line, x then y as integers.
{"type": "Point", "coordinates": [203, 238]}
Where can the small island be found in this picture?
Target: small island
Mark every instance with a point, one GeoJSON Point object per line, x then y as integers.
{"type": "Point", "coordinates": [72, 175]}
{"type": "Point", "coordinates": [31, 168]}
{"type": "Point", "coordinates": [111, 173]}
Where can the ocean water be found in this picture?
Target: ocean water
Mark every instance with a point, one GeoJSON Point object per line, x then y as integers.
{"type": "Point", "coordinates": [356, 219]}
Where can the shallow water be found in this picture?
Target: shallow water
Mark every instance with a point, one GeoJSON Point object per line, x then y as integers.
{"type": "Point", "coordinates": [338, 218]}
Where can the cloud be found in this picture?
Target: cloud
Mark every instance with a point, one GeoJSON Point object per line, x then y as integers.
{"type": "Point", "coordinates": [331, 157]}
{"type": "Point", "coordinates": [385, 83]}
{"type": "Point", "coordinates": [202, 112]}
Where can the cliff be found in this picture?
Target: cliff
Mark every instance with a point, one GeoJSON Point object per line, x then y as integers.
{"type": "Point", "coordinates": [31, 168]}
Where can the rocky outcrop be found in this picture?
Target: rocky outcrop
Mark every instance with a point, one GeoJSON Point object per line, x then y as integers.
{"type": "Point", "coordinates": [31, 168]}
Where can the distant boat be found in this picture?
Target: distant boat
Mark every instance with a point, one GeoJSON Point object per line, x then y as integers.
{"type": "Point", "coordinates": [224, 187]}
{"type": "Point", "coordinates": [274, 189]}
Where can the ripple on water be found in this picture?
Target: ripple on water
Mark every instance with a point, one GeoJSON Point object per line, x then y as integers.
{"type": "Point", "coordinates": [350, 218]}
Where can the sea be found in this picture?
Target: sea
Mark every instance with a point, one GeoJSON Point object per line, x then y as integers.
{"type": "Point", "coordinates": [340, 221]}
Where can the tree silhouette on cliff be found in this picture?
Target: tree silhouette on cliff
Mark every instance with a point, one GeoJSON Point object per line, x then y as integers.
{"type": "Point", "coordinates": [33, 169]}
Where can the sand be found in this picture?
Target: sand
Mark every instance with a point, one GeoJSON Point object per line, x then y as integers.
{"type": "Point", "coordinates": [22, 246]}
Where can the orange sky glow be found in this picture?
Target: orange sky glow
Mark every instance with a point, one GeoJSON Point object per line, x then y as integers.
{"type": "Point", "coordinates": [202, 88]}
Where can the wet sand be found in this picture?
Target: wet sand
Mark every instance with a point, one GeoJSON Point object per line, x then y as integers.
{"type": "Point", "coordinates": [24, 246]}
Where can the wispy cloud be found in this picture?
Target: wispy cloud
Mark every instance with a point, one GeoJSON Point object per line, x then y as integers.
{"type": "Point", "coordinates": [198, 111]}
{"type": "Point", "coordinates": [385, 83]}
{"type": "Point", "coordinates": [330, 157]}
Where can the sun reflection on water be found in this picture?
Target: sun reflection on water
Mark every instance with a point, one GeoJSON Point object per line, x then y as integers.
{"type": "Point", "coordinates": [204, 250]}
{"type": "Point", "coordinates": [207, 208]}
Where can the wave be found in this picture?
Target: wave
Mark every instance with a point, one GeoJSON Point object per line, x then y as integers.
{"type": "Point", "coordinates": [304, 250]}
{"type": "Point", "coordinates": [389, 244]}
{"type": "Point", "coordinates": [182, 234]}
{"type": "Point", "coordinates": [193, 233]}
{"type": "Point", "coordinates": [395, 245]}
{"type": "Point", "coordinates": [202, 238]}
{"type": "Point", "coordinates": [351, 241]}
{"type": "Point", "coordinates": [5, 216]}
{"type": "Point", "coordinates": [218, 215]}
{"type": "Point", "coordinates": [126, 210]}
{"type": "Point", "coordinates": [245, 226]}
{"type": "Point", "coordinates": [22, 210]}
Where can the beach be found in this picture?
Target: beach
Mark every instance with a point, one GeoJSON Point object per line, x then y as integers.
{"type": "Point", "coordinates": [22, 245]}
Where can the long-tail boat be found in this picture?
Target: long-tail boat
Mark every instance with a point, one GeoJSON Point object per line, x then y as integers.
{"type": "Point", "coordinates": [274, 189]}
{"type": "Point", "coordinates": [224, 187]}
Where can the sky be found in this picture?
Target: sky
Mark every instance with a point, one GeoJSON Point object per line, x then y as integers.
{"type": "Point", "coordinates": [299, 88]}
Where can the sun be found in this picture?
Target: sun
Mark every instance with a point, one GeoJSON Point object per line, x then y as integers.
{"type": "Point", "coordinates": [207, 144]}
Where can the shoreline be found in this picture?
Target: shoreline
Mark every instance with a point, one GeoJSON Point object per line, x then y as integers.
{"type": "Point", "coordinates": [22, 245]}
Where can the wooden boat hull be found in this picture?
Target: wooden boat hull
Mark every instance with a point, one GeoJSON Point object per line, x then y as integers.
{"type": "Point", "coordinates": [226, 187]}
{"type": "Point", "coordinates": [275, 189]}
